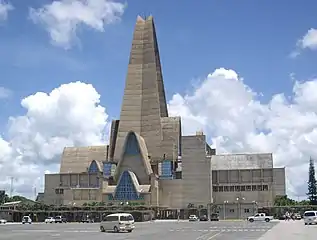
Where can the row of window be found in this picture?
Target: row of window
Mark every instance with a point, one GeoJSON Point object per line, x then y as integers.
{"type": "Point", "coordinates": [246, 210]}
{"type": "Point", "coordinates": [59, 191]}
{"type": "Point", "coordinates": [243, 188]}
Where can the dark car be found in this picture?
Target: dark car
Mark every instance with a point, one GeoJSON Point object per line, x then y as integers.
{"type": "Point", "coordinates": [203, 218]}
{"type": "Point", "coordinates": [60, 219]}
{"type": "Point", "coordinates": [214, 217]}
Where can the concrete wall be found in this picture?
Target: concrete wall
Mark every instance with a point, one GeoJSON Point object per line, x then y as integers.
{"type": "Point", "coordinates": [171, 193]}
{"type": "Point", "coordinates": [279, 185]}
{"type": "Point", "coordinates": [236, 210]}
{"type": "Point", "coordinates": [196, 171]}
{"type": "Point", "coordinates": [135, 164]}
{"type": "Point", "coordinates": [242, 161]}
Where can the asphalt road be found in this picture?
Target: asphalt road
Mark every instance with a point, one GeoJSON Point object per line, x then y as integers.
{"type": "Point", "coordinates": [227, 230]}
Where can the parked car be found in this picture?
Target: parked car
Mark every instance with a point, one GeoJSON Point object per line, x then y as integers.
{"type": "Point", "coordinates": [260, 217]}
{"type": "Point", "coordinates": [50, 220]}
{"type": "Point", "coordinates": [26, 219]}
{"type": "Point", "coordinates": [117, 222]}
{"type": "Point", "coordinates": [87, 220]}
{"type": "Point", "coordinates": [203, 218]}
{"type": "Point", "coordinates": [193, 218]}
{"type": "Point", "coordinates": [310, 217]}
{"type": "Point", "coordinates": [214, 217]}
{"type": "Point", "coordinates": [60, 219]}
{"type": "Point", "coordinates": [3, 221]}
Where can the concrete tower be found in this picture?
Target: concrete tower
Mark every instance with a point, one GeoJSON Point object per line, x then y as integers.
{"type": "Point", "coordinates": [144, 102]}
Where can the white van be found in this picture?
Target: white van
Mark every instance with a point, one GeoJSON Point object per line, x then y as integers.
{"type": "Point", "coordinates": [310, 217]}
{"type": "Point", "coordinates": [117, 222]}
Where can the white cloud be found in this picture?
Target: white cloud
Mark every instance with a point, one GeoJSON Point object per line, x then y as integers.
{"type": "Point", "coordinates": [308, 41]}
{"type": "Point", "coordinates": [69, 115]}
{"type": "Point", "coordinates": [4, 92]}
{"type": "Point", "coordinates": [5, 7]}
{"type": "Point", "coordinates": [63, 18]}
{"type": "Point", "coordinates": [230, 113]}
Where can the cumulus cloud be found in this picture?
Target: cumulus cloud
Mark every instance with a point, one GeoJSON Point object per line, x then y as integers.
{"type": "Point", "coordinates": [62, 19]}
{"type": "Point", "coordinates": [234, 118]}
{"type": "Point", "coordinates": [5, 7]}
{"type": "Point", "coordinates": [308, 41]}
{"type": "Point", "coordinates": [4, 92]}
{"type": "Point", "coordinates": [70, 115]}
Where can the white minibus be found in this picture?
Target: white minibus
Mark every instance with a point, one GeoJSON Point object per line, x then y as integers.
{"type": "Point", "coordinates": [310, 217]}
{"type": "Point", "coordinates": [117, 222]}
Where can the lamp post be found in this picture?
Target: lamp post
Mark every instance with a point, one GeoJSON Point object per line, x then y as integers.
{"type": "Point", "coordinates": [239, 199]}
{"type": "Point", "coordinates": [224, 209]}
{"type": "Point", "coordinates": [254, 207]}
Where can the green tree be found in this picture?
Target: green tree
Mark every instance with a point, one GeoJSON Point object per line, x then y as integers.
{"type": "Point", "coordinates": [312, 187]}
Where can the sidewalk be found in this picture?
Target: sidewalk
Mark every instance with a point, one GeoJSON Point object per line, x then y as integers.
{"type": "Point", "coordinates": [292, 230]}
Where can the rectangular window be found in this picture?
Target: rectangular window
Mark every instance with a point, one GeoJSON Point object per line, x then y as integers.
{"type": "Point", "coordinates": [226, 188]}
{"type": "Point", "coordinates": [246, 210]}
{"type": "Point", "coordinates": [215, 189]}
{"type": "Point", "coordinates": [265, 188]}
{"type": "Point", "coordinates": [248, 188]}
{"type": "Point", "coordinates": [220, 189]}
{"type": "Point", "coordinates": [231, 210]}
{"type": "Point", "coordinates": [237, 188]}
{"type": "Point", "coordinates": [59, 191]}
{"type": "Point", "coordinates": [259, 187]}
{"type": "Point", "coordinates": [242, 188]}
{"type": "Point", "coordinates": [253, 187]}
{"type": "Point", "coordinates": [231, 188]}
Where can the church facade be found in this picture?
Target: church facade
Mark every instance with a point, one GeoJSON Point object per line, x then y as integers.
{"type": "Point", "coordinates": [150, 162]}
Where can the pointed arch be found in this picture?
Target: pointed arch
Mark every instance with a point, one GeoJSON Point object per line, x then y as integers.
{"type": "Point", "coordinates": [135, 144]}
{"type": "Point", "coordinates": [94, 167]}
{"type": "Point", "coordinates": [127, 188]}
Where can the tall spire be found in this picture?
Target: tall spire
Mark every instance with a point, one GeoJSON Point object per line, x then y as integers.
{"type": "Point", "coordinates": [144, 101]}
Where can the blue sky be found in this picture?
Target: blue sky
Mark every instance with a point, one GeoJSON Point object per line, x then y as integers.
{"type": "Point", "coordinates": [270, 44]}
{"type": "Point", "coordinates": [253, 37]}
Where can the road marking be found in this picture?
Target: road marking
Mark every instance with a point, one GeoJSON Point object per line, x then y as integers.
{"type": "Point", "coordinates": [215, 235]}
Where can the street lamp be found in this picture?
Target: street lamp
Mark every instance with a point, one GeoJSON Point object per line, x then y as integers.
{"type": "Point", "coordinates": [239, 199]}
{"type": "Point", "coordinates": [254, 207]}
{"type": "Point", "coordinates": [224, 209]}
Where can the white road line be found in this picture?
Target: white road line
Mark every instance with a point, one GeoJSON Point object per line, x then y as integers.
{"type": "Point", "coordinates": [215, 235]}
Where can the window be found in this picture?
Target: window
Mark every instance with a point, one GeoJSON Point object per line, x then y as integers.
{"type": "Point", "coordinates": [257, 215]}
{"type": "Point", "coordinates": [132, 145]}
{"type": "Point", "coordinates": [265, 187]}
{"type": "Point", "coordinates": [166, 169]}
{"type": "Point", "coordinates": [253, 187]}
{"type": "Point", "coordinates": [93, 168]}
{"type": "Point", "coordinates": [215, 189]}
{"type": "Point", "coordinates": [237, 188]}
{"type": "Point", "coordinates": [309, 214]}
{"type": "Point", "coordinates": [242, 188]}
{"type": "Point", "coordinates": [231, 210]}
{"type": "Point", "coordinates": [59, 191]}
{"type": "Point", "coordinates": [248, 188]}
{"type": "Point", "coordinates": [220, 189]}
{"type": "Point", "coordinates": [231, 188]}
{"type": "Point", "coordinates": [111, 218]}
{"type": "Point", "coordinates": [125, 189]}
{"type": "Point", "coordinates": [226, 188]}
{"type": "Point", "coordinates": [246, 210]}
{"type": "Point", "coordinates": [126, 218]}
{"type": "Point", "coordinates": [107, 169]}
{"type": "Point", "coordinates": [259, 187]}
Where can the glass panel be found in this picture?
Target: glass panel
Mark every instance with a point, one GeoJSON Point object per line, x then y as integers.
{"type": "Point", "coordinates": [125, 189]}
{"type": "Point", "coordinates": [93, 168]}
{"type": "Point", "coordinates": [107, 169]}
{"type": "Point", "coordinates": [132, 146]}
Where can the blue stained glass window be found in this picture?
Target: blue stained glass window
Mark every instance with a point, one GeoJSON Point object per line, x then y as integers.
{"type": "Point", "coordinates": [166, 169]}
{"type": "Point", "coordinates": [93, 168]}
{"type": "Point", "coordinates": [107, 169]}
{"type": "Point", "coordinates": [125, 190]}
{"type": "Point", "coordinates": [132, 145]}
